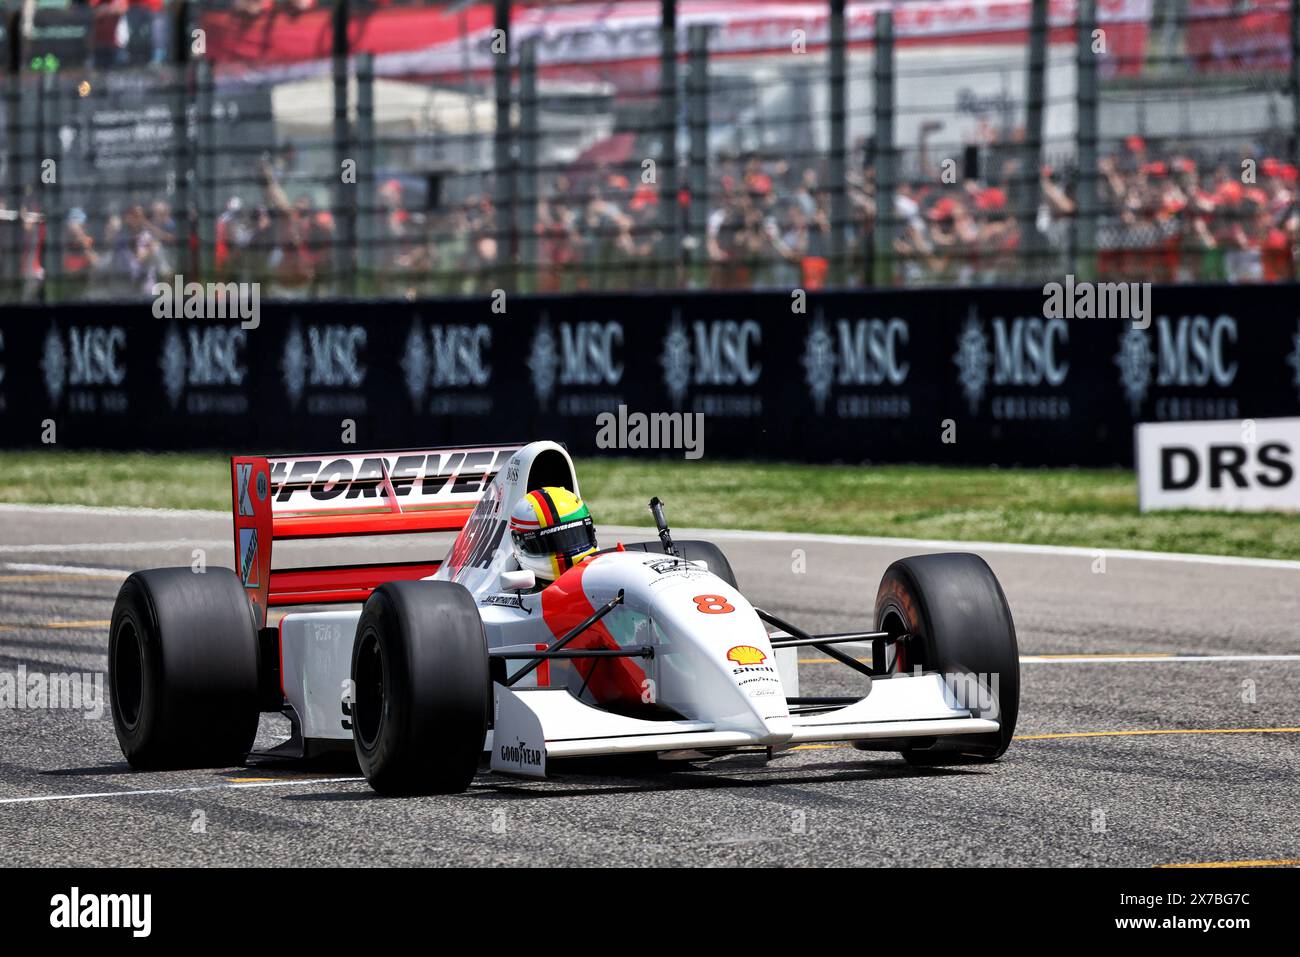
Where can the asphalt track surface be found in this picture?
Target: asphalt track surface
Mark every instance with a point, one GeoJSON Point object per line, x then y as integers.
{"type": "Point", "coordinates": [1086, 783]}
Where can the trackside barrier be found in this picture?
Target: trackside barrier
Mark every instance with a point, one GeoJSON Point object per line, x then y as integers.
{"type": "Point", "coordinates": [980, 376]}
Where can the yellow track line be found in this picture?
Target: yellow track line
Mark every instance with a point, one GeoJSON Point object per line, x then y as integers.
{"type": "Point", "coordinates": [1079, 657]}
{"type": "Point", "coordinates": [1100, 734]}
{"type": "Point", "coordinates": [1284, 862]}
{"type": "Point", "coordinates": [1118, 734]}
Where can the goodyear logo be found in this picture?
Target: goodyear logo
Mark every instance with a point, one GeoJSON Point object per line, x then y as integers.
{"type": "Point", "coordinates": [746, 655]}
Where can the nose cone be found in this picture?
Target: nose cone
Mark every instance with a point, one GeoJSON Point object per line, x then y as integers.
{"type": "Point", "coordinates": [752, 669]}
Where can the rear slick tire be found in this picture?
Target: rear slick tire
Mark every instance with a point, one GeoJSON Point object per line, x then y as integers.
{"type": "Point", "coordinates": [182, 669]}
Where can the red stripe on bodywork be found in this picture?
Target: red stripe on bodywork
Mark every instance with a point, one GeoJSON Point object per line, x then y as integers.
{"type": "Point", "coordinates": [565, 606]}
{"type": "Point", "coordinates": [325, 525]}
{"type": "Point", "coordinates": [303, 586]}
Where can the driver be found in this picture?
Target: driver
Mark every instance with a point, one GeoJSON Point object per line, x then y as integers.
{"type": "Point", "coordinates": [551, 531]}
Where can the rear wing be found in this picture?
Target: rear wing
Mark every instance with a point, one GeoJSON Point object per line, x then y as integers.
{"type": "Point", "coordinates": [334, 495]}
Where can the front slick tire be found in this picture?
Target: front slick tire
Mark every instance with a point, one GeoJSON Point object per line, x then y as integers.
{"type": "Point", "coordinates": [421, 690]}
{"type": "Point", "coordinates": [954, 609]}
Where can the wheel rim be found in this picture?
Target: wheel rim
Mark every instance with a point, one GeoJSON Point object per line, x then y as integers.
{"type": "Point", "coordinates": [128, 674]}
{"type": "Point", "coordinates": [368, 690]}
{"type": "Point", "coordinates": [891, 621]}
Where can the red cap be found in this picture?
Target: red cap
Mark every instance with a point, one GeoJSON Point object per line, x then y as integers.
{"type": "Point", "coordinates": [991, 198]}
{"type": "Point", "coordinates": [1230, 192]}
{"type": "Point", "coordinates": [644, 196]}
{"type": "Point", "coordinates": [943, 209]}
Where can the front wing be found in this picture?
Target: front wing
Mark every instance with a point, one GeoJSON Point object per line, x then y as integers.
{"type": "Point", "coordinates": [536, 724]}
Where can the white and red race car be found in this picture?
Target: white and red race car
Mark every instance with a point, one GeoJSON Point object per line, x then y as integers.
{"type": "Point", "coordinates": [645, 647]}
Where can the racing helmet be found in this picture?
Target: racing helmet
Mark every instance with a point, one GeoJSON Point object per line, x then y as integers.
{"type": "Point", "coordinates": [551, 531]}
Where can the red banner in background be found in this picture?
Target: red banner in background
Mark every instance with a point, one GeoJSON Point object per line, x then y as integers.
{"type": "Point", "coordinates": [1238, 36]}
{"type": "Point", "coordinates": [430, 41]}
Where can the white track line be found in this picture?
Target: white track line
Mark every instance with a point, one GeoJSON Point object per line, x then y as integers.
{"type": "Point", "coordinates": [1072, 551]}
{"type": "Point", "coordinates": [1014, 548]}
{"type": "Point", "coordinates": [46, 798]}
{"type": "Point", "coordinates": [1145, 659]}
{"type": "Point", "coordinates": [190, 513]}
{"type": "Point", "coordinates": [112, 546]}
{"type": "Point", "coordinates": [83, 570]}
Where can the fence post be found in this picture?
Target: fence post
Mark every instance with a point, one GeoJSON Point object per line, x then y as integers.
{"type": "Point", "coordinates": [1030, 186]}
{"type": "Point", "coordinates": [182, 155]}
{"type": "Point", "coordinates": [529, 267]}
{"type": "Point", "coordinates": [502, 162]}
{"type": "Point", "coordinates": [11, 231]}
{"type": "Point", "coordinates": [344, 245]}
{"type": "Point", "coordinates": [205, 174]}
{"type": "Point", "coordinates": [52, 193]}
{"type": "Point", "coordinates": [837, 170]}
{"type": "Point", "coordinates": [363, 275]}
{"type": "Point", "coordinates": [1295, 97]}
{"type": "Point", "coordinates": [883, 235]}
{"type": "Point", "coordinates": [669, 217]}
{"type": "Point", "coordinates": [697, 121]}
{"type": "Point", "coordinates": [1085, 218]}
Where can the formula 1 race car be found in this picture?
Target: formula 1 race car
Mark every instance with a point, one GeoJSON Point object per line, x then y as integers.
{"type": "Point", "coordinates": [643, 647]}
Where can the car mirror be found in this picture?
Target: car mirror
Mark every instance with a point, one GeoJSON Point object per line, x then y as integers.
{"type": "Point", "coordinates": [521, 580]}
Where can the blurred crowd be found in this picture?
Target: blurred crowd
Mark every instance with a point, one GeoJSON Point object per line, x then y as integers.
{"type": "Point", "coordinates": [1165, 215]}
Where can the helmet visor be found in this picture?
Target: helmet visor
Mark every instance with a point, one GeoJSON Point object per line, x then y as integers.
{"type": "Point", "coordinates": [567, 538]}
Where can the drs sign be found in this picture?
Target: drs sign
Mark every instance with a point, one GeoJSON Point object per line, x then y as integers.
{"type": "Point", "coordinates": [1233, 465]}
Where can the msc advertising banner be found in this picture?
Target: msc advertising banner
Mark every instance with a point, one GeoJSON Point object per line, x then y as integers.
{"type": "Point", "coordinates": [946, 376]}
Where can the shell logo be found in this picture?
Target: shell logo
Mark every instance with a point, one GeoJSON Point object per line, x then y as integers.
{"type": "Point", "coordinates": [746, 655]}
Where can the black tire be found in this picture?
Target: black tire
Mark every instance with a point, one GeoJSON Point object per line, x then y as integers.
{"type": "Point", "coordinates": [421, 691]}
{"type": "Point", "coordinates": [182, 669]}
{"type": "Point", "coordinates": [694, 551]}
{"type": "Point", "coordinates": [961, 624]}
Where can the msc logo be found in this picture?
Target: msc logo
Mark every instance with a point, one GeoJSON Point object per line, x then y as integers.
{"type": "Point", "coordinates": [866, 352]}
{"type": "Point", "coordinates": [91, 356]}
{"type": "Point", "coordinates": [1189, 351]}
{"type": "Point", "coordinates": [584, 354]}
{"type": "Point", "coordinates": [451, 356]}
{"type": "Point", "coordinates": [716, 352]}
{"type": "Point", "coordinates": [1026, 351]}
{"type": "Point", "coordinates": [328, 356]}
{"type": "Point", "coordinates": [206, 356]}
{"type": "Point", "coordinates": [587, 353]}
{"type": "Point", "coordinates": [1193, 351]}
